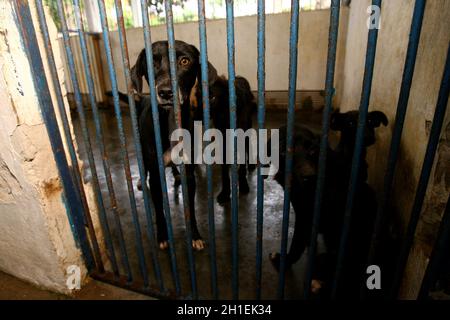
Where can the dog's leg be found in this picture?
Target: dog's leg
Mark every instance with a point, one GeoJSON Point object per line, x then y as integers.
{"type": "Point", "coordinates": [176, 176]}
{"type": "Point", "coordinates": [139, 183]}
{"type": "Point", "coordinates": [300, 238]}
{"type": "Point", "coordinates": [161, 226]}
{"type": "Point", "coordinates": [323, 275]}
{"type": "Point", "coordinates": [303, 207]}
{"type": "Point", "coordinates": [298, 245]}
{"type": "Point", "coordinates": [243, 184]}
{"type": "Point", "coordinates": [146, 159]}
{"type": "Point", "coordinates": [224, 195]}
{"type": "Point", "coordinates": [197, 242]}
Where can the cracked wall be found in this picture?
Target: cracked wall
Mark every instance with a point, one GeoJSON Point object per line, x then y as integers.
{"type": "Point", "coordinates": [36, 242]}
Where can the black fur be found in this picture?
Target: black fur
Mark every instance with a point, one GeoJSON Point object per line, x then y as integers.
{"type": "Point", "coordinates": [220, 113]}
{"type": "Point", "coordinates": [306, 152]}
{"type": "Point", "coordinates": [188, 70]}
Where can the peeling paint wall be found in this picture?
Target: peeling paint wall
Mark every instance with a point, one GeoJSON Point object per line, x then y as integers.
{"type": "Point", "coordinates": [36, 242]}
{"type": "Point", "coordinates": [391, 51]}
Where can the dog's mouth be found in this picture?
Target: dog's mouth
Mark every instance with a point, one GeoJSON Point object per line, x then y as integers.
{"type": "Point", "coordinates": [168, 102]}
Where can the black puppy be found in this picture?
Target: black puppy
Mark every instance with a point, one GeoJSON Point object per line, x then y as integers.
{"type": "Point", "coordinates": [220, 113]}
{"type": "Point", "coordinates": [306, 150]}
{"type": "Point", "coordinates": [188, 70]}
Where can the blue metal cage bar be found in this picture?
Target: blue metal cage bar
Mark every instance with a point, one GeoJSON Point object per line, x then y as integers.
{"type": "Point", "coordinates": [293, 53]}
{"type": "Point", "coordinates": [87, 140]}
{"type": "Point", "coordinates": [123, 145]}
{"type": "Point", "coordinates": [71, 194]}
{"type": "Point", "coordinates": [206, 125]}
{"type": "Point", "coordinates": [356, 161]}
{"type": "Point", "coordinates": [329, 92]}
{"type": "Point", "coordinates": [438, 255]}
{"type": "Point", "coordinates": [68, 134]}
{"type": "Point", "coordinates": [100, 139]}
{"type": "Point", "coordinates": [148, 201]}
{"type": "Point", "coordinates": [177, 109]}
{"type": "Point", "coordinates": [408, 73]}
{"type": "Point", "coordinates": [427, 166]}
{"type": "Point", "coordinates": [261, 119]}
{"type": "Point", "coordinates": [78, 210]}
{"type": "Point", "coordinates": [234, 166]}
{"type": "Point", "coordinates": [159, 151]}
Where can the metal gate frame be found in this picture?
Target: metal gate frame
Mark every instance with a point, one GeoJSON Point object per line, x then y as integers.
{"type": "Point", "coordinates": [78, 212]}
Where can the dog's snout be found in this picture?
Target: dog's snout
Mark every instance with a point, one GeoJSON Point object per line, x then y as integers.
{"type": "Point", "coordinates": [165, 93]}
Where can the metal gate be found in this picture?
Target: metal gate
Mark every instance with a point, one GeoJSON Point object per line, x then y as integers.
{"type": "Point", "coordinates": [79, 212]}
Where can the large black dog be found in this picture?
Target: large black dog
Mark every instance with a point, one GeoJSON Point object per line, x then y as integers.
{"type": "Point", "coordinates": [306, 152]}
{"type": "Point", "coordinates": [220, 113]}
{"type": "Point", "coordinates": [188, 73]}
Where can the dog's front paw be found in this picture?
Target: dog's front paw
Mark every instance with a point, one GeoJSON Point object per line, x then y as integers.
{"type": "Point", "coordinates": [223, 197]}
{"type": "Point", "coordinates": [198, 244]}
{"type": "Point", "coordinates": [163, 245]}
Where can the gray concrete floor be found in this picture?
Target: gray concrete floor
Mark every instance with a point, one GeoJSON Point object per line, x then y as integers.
{"type": "Point", "coordinates": [273, 207]}
{"type": "Point", "coordinates": [12, 288]}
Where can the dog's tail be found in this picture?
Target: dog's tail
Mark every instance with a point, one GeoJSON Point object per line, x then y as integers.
{"type": "Point", "coordinates": [122, 96]}
{"type": "Point", "coordinates": [139, 104]}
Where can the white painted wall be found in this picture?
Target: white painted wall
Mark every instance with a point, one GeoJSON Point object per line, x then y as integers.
{"type": "Point", "coordinates": [36, 242]}
{"type": "Point", "coordinates": [390, 59]}
{"type": "Point", "coordinates": [312, 58]}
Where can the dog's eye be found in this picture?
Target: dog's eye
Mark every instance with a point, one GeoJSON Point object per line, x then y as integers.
{"type": "Point", "coordinates": [184, 62]}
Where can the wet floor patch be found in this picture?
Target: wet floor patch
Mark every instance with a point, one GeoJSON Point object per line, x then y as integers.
{"type": "Point", "coordinates": [273, 209]}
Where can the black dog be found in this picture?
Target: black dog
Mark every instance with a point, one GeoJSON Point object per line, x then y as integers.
{"type": "Point", "coordinates": [141, 101]}
{"type": "Point", "coordinates": [220, 113]}
{"type": "Point", "coordinates": [188, 72]}
{"type": "Point", "coordinates": [306, 151]}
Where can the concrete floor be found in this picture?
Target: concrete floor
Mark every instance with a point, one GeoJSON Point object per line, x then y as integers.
{"type": "Point", "coordinates": [273, 207]}
{"type": "Point", "coordinates": [12, 288]}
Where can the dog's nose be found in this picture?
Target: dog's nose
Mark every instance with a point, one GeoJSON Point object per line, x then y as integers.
{"type": "Point", "coordinates": [165, 93]}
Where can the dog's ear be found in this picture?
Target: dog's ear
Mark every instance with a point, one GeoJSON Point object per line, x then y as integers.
{"type": "Point", "coordinates": [212, 74]}
{"type": "Point", "coordinates": [337, 121]}
{"type": "Point", "coordinates": [138, 71]}
{"type": "Point", "coordinates": [377, 118]}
